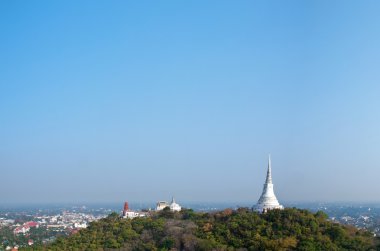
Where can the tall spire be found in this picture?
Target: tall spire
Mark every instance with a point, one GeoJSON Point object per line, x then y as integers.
{"type": "Point", "coordinates": [267, 199]}
{"type": "Point", "coordinates": [269, 172]}
{"type": "Point", "coordinates": [174, 206]}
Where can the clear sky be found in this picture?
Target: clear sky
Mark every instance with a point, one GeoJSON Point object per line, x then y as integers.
{"type": "Point", "coordinates": [106, 101]}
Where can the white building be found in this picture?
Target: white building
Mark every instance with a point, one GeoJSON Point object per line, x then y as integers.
{"type": "Point", "coordinates": [80, 225]}
{"type": "Point", "coordinates": [21, 230]}
{"type": "Point", "coordinates": [130, 214]}
{"type": "Point", "coordinates": [161, 205]}
{"type": "Point", "coordinates": [268, 199]}
{"type": "Point", "coordinates": [174, 206]}
{"type": "Point", "coordinates": [133, 214]}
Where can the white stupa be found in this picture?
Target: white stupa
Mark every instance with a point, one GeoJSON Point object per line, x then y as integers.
{"type": "Point", "coordinates": [268, 199]}
{"type": "Point", "coordinates": [174, 206]}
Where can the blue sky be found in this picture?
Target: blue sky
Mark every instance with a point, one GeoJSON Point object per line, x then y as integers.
{"type": "Point", "coordinates": [106, 101]}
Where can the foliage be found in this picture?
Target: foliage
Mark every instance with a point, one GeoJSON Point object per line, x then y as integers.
{"type": "Point", "coordinates": [8, 238]}
{"type": "Point", "coordinates": [242, 229]}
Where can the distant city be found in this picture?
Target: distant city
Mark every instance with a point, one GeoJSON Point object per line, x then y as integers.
{"type": "Point", "coordinates": [22, 226]}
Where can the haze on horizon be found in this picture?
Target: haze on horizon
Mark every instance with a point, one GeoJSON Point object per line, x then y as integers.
{"type": "Point", "coordinates": [140, 100]}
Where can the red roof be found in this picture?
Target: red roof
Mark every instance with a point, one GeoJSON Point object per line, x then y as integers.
{"type": "Point", "coordinates": [31, 224]}
{"type": "Point", "coordinates": [19, 229]}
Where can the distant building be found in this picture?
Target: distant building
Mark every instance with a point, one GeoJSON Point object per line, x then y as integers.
{"type": "Point", "coordinates": [25, 227]}
{"type": "Point", "coordinates": [21, 230]}
{"type": "Point", "coordinates": [268, 199]}
{"type": "Point", "coordinates": [161, 205]}
{"type": "Point", "coordinates": [173, 206]}
{"type": "Point", "coordinates": [80, 225]}
{"type": "Point", "coordinates": [31, 224]}
{"type": "Point", "coordinates": [130, 214]}
{"type": "Point", "coordinates": [126, 208]}
{"type": "Point", "coordinates": [6, 222]}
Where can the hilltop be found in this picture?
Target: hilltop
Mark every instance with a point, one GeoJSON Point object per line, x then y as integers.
{"type": "Point", "coordinates": [241, 229]}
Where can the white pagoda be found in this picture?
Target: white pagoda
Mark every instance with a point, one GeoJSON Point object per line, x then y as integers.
{"type": "Point", "coordinates": [174, 206]}
{"type": "Point", "coordinates": [268, 199]}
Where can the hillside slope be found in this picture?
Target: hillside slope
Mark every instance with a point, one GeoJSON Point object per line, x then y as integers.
{"type": "Point", "coordinates": [242, 229]}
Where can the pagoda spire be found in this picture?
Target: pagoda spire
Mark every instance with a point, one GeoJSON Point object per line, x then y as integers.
{"type": "Point", "coordinates": [268, 180]}
{"type": "Point", "coordinates": [174, 206]}
{"type": "Point", "coordinates": [268, 200]}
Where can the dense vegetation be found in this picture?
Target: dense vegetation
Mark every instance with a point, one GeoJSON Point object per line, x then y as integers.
{"type": "Point", "coordinates": [242, 229]}
{"type": "Point", "coordinates": [8, 238]}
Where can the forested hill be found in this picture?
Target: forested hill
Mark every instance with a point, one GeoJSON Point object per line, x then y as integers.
{"type": "Point", "coordinates": [242, 229]}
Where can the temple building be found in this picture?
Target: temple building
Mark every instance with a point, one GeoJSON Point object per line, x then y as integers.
{"type": "Point", "coordinates": [268, 199]}
{"type": "Point", "coordinates": [161, 205]}
{"type": "Point", "coordinates": [173, 206]}
{"type": "Point", "coordinates": [130, 214]}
